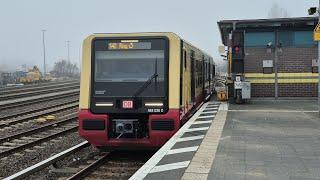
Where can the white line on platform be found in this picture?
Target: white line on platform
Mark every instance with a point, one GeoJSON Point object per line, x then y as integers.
{"type": "Point", "coordinates": [213, 104]}
{"type": "Point", "coordinates": [211, 110]}
{"type": "Point", "coordinates": [197, 129]}
{"type": "Point", "coordinates": [224, 106]}
{"type": "Point", "coordinates": [191, 138]}
{"type": "Point", "coordinates": [209, 145]}
{"type": "Point", "coordinates": [271, 111]}
{"type": "Point", "coordinates": [153, 161]}
{"type": "Point", "coordinates": [212, 107]}
{"type": "Point", "coordinates": [208, 112]}
{"type": "Point", "coordinates": [203, 117]}
{"type": "Point", "coordinates": [203, 122]}
{"type": "Point", "coordinates": [168, 167]}
{"type": "Point", "coordinates": [183, 150]}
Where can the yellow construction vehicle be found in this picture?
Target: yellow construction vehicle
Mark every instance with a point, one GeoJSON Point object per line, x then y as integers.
{"type": "Point", "coordinates": [34, 76]}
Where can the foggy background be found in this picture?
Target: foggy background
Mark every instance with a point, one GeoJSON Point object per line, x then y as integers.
{"type": "Point", "coordinates": [73, 20]}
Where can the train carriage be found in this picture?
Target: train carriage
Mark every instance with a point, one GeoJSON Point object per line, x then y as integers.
{"type": "Point", "coordinates": [137, 89]}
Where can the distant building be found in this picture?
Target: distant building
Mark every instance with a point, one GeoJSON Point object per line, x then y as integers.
{"type": "Point", "coordinates": [287, 40]}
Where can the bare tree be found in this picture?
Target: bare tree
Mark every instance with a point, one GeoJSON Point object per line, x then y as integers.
{"type": "Point", "coordinates": [63, 68]}
{"type": "Point", "coordinates": [277, 12]}
{"type": "Point", "coordinates": [221, 67]}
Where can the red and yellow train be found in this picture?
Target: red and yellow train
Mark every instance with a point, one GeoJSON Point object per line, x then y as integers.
{"type": "Point", "coordinates": [138, 89]}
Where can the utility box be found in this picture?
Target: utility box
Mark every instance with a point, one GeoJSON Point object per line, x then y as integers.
{"type": "Point", "coordinates": [246, 90]}
{"type": "Point", "coordinates": [245, 87]}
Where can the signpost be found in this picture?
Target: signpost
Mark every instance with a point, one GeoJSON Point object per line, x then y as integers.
{"type": "Point", "coordinates": [316, 37]}
{"type": "Point", "coordinates": [316, 33]}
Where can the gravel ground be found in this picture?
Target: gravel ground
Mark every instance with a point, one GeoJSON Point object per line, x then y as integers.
{"type": "Point", "coordinates": [19, 161]}
{"type": "Point", "coordinates": [77, 159]}
{"type": "Point", "coordinates": [41, 105]}
{"type": "Point", "coordinates": [32, 123]}
{"type": "Point", "coordinates": [120, 165]}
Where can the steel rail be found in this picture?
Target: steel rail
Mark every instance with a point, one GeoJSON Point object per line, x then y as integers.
{"type": "Point", "coordinates": [87, 170]}
{"type": "Point", "coordinates": [47, 162]}
{"type": "Point", "coordinates": [33, 143]}
{"type": "Point", "coordinates": [34, 86]}
{"type": "Point", "coordinates": [37, 111]}
{"type": "Point", "coordinates": [31, 93]}
{"type": "Point", "coordinates": [44, 98]}
{"type": "Point", "coordinates": [67, 119]}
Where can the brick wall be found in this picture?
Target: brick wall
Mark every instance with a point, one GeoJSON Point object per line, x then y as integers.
{"type": "Point", "coordinates": [262, 90]}
{"type": "Point", "coordinates": [291, 60]}
{"type": "Point", "coordinates": [298, 90]}
{"type": "Point", "coordinates": [296, 60]}
{"type": "Point", "coordinates": [254, 58]}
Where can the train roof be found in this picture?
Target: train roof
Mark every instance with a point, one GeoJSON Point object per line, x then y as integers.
{"type": "Point", "coordinates": [155, 34]}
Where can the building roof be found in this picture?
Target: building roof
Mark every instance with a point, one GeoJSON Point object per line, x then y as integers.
{"type": "Point", "coordinates": [226, 26]}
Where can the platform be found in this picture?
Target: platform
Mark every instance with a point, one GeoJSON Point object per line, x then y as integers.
{"type": "Point", "coordinates": [259, 140]}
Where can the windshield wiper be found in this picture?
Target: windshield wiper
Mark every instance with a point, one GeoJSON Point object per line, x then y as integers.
{"type": "Point", "coordinates": [148, 82]}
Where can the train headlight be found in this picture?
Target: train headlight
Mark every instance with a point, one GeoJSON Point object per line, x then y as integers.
{"type": "Point", "coordinates": [104, 104]}
{"type": "Point", "coordinates": [153, 104]}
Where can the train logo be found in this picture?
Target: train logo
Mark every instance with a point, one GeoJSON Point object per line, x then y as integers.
{"type": "Point", "coordinates": [127, 104]}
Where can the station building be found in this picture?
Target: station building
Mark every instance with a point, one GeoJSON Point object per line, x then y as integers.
{"type": "Point", "coordinates": [280, 55]}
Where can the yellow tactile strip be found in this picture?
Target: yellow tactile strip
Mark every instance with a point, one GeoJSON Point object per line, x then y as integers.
{"type": "Point", "coordinates": [202, 161]}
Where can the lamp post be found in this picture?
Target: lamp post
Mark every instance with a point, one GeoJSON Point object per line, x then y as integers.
{"type": "Point", "coordinates": [68, 50]}
{"type": "Point", "coordinates": [312, 11]}
{"type": "Point", "coordinates": [319, 63]}
{"type": "Point", "coordinates": [44, 52]}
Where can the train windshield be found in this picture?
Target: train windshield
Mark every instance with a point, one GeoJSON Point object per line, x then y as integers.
{"type": "Point", "coordinates": [129, 66]}
{"type": "Point", "coordinates": [125, 69]}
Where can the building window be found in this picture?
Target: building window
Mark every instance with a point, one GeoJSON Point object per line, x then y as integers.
{"type": "Point", "coordinates": [286, 38]}
{"type": "Point", "coordinates": [252, 39]}
{"type": "Point", "coordinates": [304, 38]}
{"type": "Point", "coordinates": [296, 38]}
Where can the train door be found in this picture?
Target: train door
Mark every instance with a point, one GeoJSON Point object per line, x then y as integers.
{"type": "Point", "coordinates": [203, 77]}
{"type": "Point", "coordinates": [183, 84]}
{"type": "Point", "coordinates": [193, 84]}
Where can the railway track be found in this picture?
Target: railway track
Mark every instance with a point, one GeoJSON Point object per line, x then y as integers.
{"type": "Point", "coordinates": [99, 165]}
{"type": "Point", "coordinates": [112, 165]}
{"type": "Point", "coordinates": [37, 99]}
{"type": "Point", "coordinates": [32, 86]}
{"type": "Point", "coordinates": [18, 112]}
{"type": "Point", "coordinates": [43, 90]}
{"type": "Point", "coordinates": [35, 136]}
{"type": "Point", "coordinates": [25, 117]}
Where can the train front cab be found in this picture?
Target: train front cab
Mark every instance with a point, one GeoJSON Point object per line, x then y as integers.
{"type": "Point", "coordinates": [95, 125]}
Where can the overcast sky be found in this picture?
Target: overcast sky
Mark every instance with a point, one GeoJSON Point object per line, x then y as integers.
{"type": "Point", "coordinates": [21, 22]}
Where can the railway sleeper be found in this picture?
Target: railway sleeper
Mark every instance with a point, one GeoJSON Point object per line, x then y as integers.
{"type": "Point", "coordinates": [10, 144]}
{"type": "Point", "coordinates": [5, 147]}
{"type": "Point", "coordinates": [65, 170]}
{"type": "Point", "coordinates": [30, 150]}
{"type": "Point", "coordinates": [30, 138]}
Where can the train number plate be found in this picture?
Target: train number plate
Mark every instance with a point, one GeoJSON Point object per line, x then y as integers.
{"type": "Point", "coordinates": [127, 104]}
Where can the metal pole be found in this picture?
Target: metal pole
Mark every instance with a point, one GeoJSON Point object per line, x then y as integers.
{"type": "Point", "coordinates": [44, 53]}
{"type": "Point", "coordinates": [319, 64]}
{"type": "Point", "coordinates": [68, 49]}
{"type": "Point", "coordinates": [276, 67]}
{"type": "Point", "coordinates": [80, 58]}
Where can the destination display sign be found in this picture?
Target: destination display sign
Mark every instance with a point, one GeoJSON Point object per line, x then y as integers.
{"type": "Point", "coordinates": [129, 45]}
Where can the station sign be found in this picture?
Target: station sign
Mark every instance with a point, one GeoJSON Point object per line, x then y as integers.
{"type": "Point", "coordinates": [316, 33]}
{"type": "Point", "coordinates": [129, 45]}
